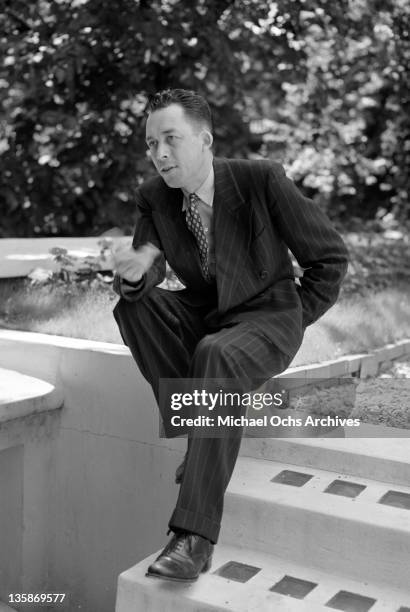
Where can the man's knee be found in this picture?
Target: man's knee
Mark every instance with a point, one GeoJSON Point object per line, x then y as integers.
{"type": "Point", "coordinates": [149, 316]}
{"type": "Point", "coordinates": [118, 308]}
{"type": "Point", "coordinates": [122, 311]}
{"type": "Point", "coordinates": [126, 307]}
{"type": "Point", "coordinates": [212, 348]}
{"type": "Point", "coordinates": [131, 314]}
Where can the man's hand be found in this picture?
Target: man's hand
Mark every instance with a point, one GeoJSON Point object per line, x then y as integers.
{"type": "Point", "coordinates": [132, 263]}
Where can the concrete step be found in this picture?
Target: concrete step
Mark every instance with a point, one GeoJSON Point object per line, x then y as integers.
{"type": "Point", "coordinates": [351, 536]}
{"type": "Point", "coordinates": [383, 453]}
{"type": "Point", "coordinates": [241, 580]}
{"type": "Point", "coordinates": [22, 395]}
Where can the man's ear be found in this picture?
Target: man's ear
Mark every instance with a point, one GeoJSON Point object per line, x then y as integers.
{"type": "Point", "coordinates": [207, 138]}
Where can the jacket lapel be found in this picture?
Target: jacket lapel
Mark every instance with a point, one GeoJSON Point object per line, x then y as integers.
{"type": "Point", "coordinates": [232, 232]}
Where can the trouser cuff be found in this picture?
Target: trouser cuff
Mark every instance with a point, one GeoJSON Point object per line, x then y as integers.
{"type": "Point", "coordinates": [195, 522]}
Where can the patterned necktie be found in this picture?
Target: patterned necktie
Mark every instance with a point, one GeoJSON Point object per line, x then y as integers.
{"type": "Point", "coordinates": [194, 223]}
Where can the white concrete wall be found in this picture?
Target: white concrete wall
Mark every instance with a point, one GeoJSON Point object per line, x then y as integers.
{"type": "Point", "coordinates": [111, 474]}
{"type": "Point", "coordinates": [27, 456]}
{"type": "Point", "coordinates": [18, 256]}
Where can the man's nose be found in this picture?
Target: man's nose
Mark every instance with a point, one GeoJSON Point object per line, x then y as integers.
{"type": "Point", "coordinates": [162, 151]}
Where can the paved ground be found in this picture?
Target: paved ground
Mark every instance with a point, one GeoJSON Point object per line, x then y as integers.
{"type": "Point", "coordinates": [386, 399]}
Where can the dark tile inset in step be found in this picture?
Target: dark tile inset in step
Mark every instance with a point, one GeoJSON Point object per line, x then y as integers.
{"type": "Point", "coordinates": [240, 572]}
{"type": "Point", "coordinates": [397, 499]}
{"type": "Point", "coordinates": [403, 609]}
{"type": "Point", "coordinates": [289, 477]}
{"type": "Point", "coordinates": [350, 602]}
{"type": "Point", "coordinates": [347, 489]}
{"type": "Point", "coordinates": [294, 587]}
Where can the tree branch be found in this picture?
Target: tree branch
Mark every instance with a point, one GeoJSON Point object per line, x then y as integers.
{"type": "Point", "coordinates": [17, 18]}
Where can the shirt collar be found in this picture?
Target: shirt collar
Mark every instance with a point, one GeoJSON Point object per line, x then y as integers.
{"type": "Point", "coordinates": [205, 191]}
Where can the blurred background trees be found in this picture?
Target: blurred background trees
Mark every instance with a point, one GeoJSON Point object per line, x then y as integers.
{"type": "Point", "coordinates": [322, 87]}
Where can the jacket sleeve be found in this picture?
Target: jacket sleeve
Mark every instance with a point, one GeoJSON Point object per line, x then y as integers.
{"type": "Point", "coordinates": [144, 232]}
{"type": "Point", "coordinates": [316, 245]}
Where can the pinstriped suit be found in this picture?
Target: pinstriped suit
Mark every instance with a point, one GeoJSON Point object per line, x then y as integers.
{"type": "Point", "coordinates": [249, 323]}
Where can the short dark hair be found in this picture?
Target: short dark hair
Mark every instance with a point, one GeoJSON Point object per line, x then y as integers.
{"type": "Point", "coordinates": [194, 105]}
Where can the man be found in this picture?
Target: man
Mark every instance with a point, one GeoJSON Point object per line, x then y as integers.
{"type": "Point", "coordinates": [224, 226]}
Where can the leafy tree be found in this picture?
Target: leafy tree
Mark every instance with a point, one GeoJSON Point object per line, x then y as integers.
{"type": "Point", "coordinates": [330, 97]}
{"type": "Point", "coordinates": [323, 86]}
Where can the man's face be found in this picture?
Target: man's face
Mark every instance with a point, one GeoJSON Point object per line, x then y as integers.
{"type": "Point", "coordinates": [179, 147]}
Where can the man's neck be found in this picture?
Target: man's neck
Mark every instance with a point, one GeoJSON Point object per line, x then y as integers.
{"type": "Point", "coordinates": [205, 191]}
{"type": "Point", "coordinates": [201, 178]}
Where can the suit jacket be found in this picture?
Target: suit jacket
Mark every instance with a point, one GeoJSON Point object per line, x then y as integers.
{"type": "Point", "coordinates": [258, 214]}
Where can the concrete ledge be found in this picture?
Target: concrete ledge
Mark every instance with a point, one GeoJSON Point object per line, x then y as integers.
{"type": "Point", "coordinates": [405, 346]}
{"type": "Point", "coordinates": [31, 338]}
{"type": "Point", "coordinates": [21, 395]}
{"type": "Point", "coordinates": [362, 365]}
{"type": "Point", "coordinates": [369, 365]}
{"type": "Point", "coordinates": [353, 362]}
{"type": "Point", "coordinates": [390, 351]}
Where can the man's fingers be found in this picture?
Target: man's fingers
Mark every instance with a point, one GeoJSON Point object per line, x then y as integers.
{"type": "Point", "coordinates": [130, 263]}
{"type": "Point", "coordinates": [120, 247]}
{"type": "Point", "coordinates": [153, 248]}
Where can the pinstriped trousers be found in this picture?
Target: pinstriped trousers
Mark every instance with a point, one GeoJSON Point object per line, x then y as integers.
{"type": "Point", "coordinates": [170, 335]}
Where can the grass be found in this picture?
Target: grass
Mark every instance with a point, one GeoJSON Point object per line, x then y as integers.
{"type": "Point", "coordinates": [47, 310]}
{"type": "Point", "coordinates": [353, 325]}
{"type": "Point", "coordinates": [357, 325]}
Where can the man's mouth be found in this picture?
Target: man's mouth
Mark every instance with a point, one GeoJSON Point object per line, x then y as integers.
{"type": "Point", "coordinates": [166, 169]}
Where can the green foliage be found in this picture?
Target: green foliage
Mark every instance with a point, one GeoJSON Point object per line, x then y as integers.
{"type": "Point", "coordinates": [321, 86]}
{"type": "Point", "coordinates": [339, 114]}
{"type": "Point", "coordinates": [76, 273]}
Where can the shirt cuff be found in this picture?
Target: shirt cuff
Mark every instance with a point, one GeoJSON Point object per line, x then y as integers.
{"type": "Point", "coordinates": [134, 285]}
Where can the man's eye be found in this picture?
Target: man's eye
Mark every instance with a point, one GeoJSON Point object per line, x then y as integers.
{"type": "Point", "coordinates": [151, 144]}
{"type": "Point", "coordinates": [171, 138]}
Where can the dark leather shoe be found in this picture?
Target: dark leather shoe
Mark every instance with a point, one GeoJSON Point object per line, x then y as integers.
{"type": "Point", "coordinates": [184, 557]}
{"type": "Point", "coordinates": [180, 470]}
